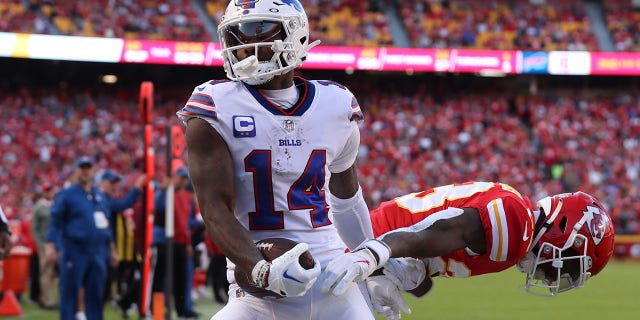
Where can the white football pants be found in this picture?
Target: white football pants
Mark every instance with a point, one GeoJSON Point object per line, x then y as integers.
{"type": "Point", "coordinates": [354, 304]}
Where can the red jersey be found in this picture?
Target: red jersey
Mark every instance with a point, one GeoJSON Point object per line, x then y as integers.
{"type": "Point", "coordinates": [507, 218]}
{"type": "Point", "coordinates": [183, 200]}
{"type": "Point", "coordinates": [27, 238]}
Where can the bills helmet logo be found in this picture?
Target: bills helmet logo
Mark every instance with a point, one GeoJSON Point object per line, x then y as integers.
{"type": "Point", "coordinates": [295, 4]}
{"type": "Point", "coordinates": [246, 4]}
{"type": "Point", "coordinates": [597, 223]}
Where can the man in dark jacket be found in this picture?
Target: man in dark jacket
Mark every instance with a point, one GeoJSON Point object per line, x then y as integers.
{"type": "Point", "coordinates": [79, 230]}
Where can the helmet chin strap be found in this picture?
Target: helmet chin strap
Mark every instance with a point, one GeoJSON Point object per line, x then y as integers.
{"type": "Point", "coordinates": [249, 70]}
{"type": "Point", "coordinates": [546, 226]}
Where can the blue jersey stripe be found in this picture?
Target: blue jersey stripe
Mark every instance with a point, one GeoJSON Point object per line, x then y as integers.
{"type": "Point", "coordinates": [202, 98]}
{"type": "Point", "coordinates": [192, 110]}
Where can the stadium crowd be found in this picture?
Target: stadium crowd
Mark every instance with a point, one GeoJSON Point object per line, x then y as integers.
{"type": "Point", "coordinates": [540, 144]}
{"type": "Point", "coordinates": [623, 21]}
{"type": "Point", "coordinates": [499, 24]}
{"type": "Point", "coordinates": [176, 19]}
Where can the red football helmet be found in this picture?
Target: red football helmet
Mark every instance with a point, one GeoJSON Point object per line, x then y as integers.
{"type": "Point", "coordinates": [574, 243]}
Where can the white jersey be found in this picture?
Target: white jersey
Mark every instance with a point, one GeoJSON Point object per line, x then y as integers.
{"type": "Point", "coordinates": [283, 158]}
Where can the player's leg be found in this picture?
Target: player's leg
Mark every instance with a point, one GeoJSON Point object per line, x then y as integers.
{"type": "Point", "coordinates": [318, 305]}
{"type": "Point", "coordinates": [244, 307]}
{"type": "Point", "coordinates": [314, 305]}
{"type": "Point", "coordinates": [353, 304]}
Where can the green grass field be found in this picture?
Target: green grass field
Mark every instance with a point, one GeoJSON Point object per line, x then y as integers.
{"type": "Point", "coordinates": [206, 307]}
{"type": "Point", "coordinates": [612, 295]}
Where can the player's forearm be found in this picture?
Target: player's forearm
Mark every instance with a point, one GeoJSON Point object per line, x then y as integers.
{"type": "Point", "coordinates": [441, 233]}
{"type": "Point", "coordinates": [351, 218]}
{"type": "Point", "coordinates": [230, 236]}
{"type": "Point", "coordinates": [350, 212]}
{"type": "Point", "coordinates": [216, 199]}
{"type": "Point", "coordinates": [211, 170]}
{"type": "Point", "coordinates": [432, 243]}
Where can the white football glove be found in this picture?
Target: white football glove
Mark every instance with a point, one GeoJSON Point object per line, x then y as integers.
{"type": "Point", "coordinates": [386, 297]}
{"type": "Point", "coordinates": [406, 273]}
{"type": "Point", "coordinates": [354, 266]}
{"type": "Point", "coordinates": [284, 275]}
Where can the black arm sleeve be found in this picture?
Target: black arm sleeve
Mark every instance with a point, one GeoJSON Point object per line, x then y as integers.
{"type": "Point", "coordinates": [3, 223]}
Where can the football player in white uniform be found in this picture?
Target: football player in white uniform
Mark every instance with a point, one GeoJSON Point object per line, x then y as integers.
{"type": "Point", "coordinates": [273, 155]}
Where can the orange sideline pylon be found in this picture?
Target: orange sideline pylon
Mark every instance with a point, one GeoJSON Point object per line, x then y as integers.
{"type": "Point", "coordinates": [10, 305]}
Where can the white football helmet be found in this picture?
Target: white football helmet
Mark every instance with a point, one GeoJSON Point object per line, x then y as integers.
{"type": "Point", "coordinates": [273, 36]}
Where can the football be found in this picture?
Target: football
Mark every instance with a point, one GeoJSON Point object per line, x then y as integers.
{"type": "Point", "coordinates": [271, 248]}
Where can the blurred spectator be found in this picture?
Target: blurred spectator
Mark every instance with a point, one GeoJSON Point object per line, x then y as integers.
{"type": "Point", "coordinates": [182, 250]}
{"type": "Point", "coordinates": [34, 265]}
{"type": "Point", "coordinates": [122, 230]}
{"type": "Point", "coordinates": [217, 271]}
{"type": "Point", "coordinates": [39, 226]}
{"type": "Point", "coordinates": [196, 232]}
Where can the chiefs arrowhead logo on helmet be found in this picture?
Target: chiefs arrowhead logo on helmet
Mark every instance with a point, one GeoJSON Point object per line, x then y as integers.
{"type": "Point", "coordinates": [596, 223]}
